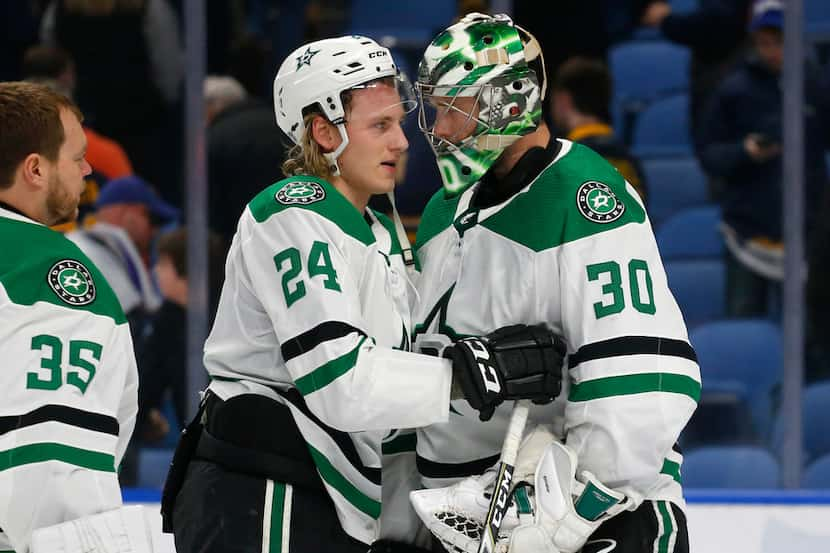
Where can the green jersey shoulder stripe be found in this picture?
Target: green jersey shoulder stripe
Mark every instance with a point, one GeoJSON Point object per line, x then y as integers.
{"type": "Point", "coordinates": [438, 215]}
{"type": "Point", "coordinates": [30, 254]}
{"type": "Point", "coordinates": [339, 482]}
{"type": "Point", "coordinates": [63, 414]}
{"type": "Point", "coordinates": [634, 384]}
{"type": "Point", "coordinates": [312, 194]}
{"type": "Point", "coordinates": [326, 374]}
{"type": "Point", "coordinates": [40, 452]}
{"type": "Point", "coordinates": [548, 213]}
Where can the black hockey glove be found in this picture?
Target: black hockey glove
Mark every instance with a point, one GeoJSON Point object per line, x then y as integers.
{"type": "Point", "coordinates": [514, 362]}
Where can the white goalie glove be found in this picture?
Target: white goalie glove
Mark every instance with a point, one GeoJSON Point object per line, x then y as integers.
{"type": "Point", "coordinates": [552, 511]}
{"type": "Point", "coordinates": [122, 530]}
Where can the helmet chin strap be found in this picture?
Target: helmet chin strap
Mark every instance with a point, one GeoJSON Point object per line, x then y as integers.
{"type": "Point", "coordinates": [331, 157]}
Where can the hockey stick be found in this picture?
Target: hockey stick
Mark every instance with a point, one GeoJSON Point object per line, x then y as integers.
{"type": "Point", "coordinates": [501, 488]}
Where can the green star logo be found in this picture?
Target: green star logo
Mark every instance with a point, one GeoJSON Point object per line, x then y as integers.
{"type": "Point", "coordinates": [72, 282]}
{"type": "Point", "coordinates": [300, 192]}
{"type": "Point", "coordinates": [598, 203]}
{"type": "Point", "coordinates": [305, 57]}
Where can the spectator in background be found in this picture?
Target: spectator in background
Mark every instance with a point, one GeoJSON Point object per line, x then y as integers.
{"type": "Point", "coordinates": [55, 68]}
{"type": "Point", "coordinates": [740, 142]}
{"type": "Point", "coordinates": [245, 150]}
{"type": "Point", "coordinates": [129, 66]}
{"type": "Point", "coordinates": [128, 213]}
{"type": "Point", "coordinates": [580, 106]}
{"type": "Point", "coordinates": [715, 32]}
{"type": "Point", "coordinates": [161, 351]}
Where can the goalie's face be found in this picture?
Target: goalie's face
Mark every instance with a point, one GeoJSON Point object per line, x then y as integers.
{"type": "Point", "coordinates": [451, 119]}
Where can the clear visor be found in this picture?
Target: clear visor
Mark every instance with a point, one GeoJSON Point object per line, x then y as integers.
{"type": "Point", "coordinates": [450, 115]}
{"type": "Point", "coordinates": [386, 97]}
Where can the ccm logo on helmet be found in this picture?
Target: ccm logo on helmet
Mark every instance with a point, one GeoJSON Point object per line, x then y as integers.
{"type": "Point", "coordinates": [377, 54]}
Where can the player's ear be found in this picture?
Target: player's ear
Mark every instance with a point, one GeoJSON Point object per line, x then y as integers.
{"type": "Point", "coordinates": [325, 134]}
{"type": "Point", "coordinates": [35, 170]}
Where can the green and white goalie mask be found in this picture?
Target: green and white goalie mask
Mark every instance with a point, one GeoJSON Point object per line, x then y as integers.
{"type": "Point", "coordinates": [478, 95]}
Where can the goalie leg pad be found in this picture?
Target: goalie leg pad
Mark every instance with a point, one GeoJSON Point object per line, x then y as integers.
{"type": "Point", "coordinates": [122, 530]}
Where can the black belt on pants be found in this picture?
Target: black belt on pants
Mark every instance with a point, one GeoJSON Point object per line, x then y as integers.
{"type": "Point", "coordinates": [255, 435]}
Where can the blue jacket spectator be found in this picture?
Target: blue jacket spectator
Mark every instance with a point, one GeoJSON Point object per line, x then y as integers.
{"type": "Point", "coordinates": [741, 145]}
{"type": "Point", "coordinates": [748, 104]}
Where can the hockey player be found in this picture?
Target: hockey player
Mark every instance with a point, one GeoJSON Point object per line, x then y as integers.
{"type": "Point", "coordinates": [307, 353]}
{"type": "Point", "coordinates": [69, 379]}
{"type": "Point", "coordinates": [533, 229]}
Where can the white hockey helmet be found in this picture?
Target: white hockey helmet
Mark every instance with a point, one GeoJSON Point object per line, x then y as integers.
{"type": "Point", "coordinates": [318, 72]}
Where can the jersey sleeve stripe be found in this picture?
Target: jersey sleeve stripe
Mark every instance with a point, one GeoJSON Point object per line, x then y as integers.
{"type": "Point", "coordinates": [434, 469]}
{"type": "Point", "coordinates": [307, 341]}
{"type": "Point", "coordinates": [634, 384]}
{"type": "Point", "coordinates": [400, 444]}
{"type": "Point", "coordinates": [337, 481]}
{"type": "Point", "coordinates": [327, 373]}
{"type": "Point", "coordinates": [632, 345]}
{"type": "Point", "coordinates": [38, 453]}
{"type": "Point", "coordinates": [342, 439]}
{"type": "Point", "coordinates": [61, 413]}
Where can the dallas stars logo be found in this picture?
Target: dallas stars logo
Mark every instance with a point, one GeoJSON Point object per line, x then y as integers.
{"type": "Point", "coordinates": [598, 203]}
{"type": "Point", "coordinates": [71, 281]}
{"type": "Point", "coordinates": [305, 57]}
{"type": "Point", "coordinates": [300, 193]}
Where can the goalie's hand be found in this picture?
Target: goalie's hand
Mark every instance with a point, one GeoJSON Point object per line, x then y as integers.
{"type": "Point", "coordinates": [514, 362]}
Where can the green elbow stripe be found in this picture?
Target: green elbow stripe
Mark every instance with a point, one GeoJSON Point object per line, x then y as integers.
{"type": "Point", "coordinates": [38, 453]}
{"type": "Point", "coordinates": [326, 374]}
{"type": "Point", "coordinates": [339, 482]}
{"type": "Point", "coordinates": [635, 384]}
{"type": "Point", "coordinates": [672, 469]}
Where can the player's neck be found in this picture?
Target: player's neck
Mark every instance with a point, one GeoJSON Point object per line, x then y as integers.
{"type": "Point", "coordinates": [514, 152]}
{"type": "Point", "coordinates": [16, 197]}
{"type": "Point", "coordinates": [358, 198]}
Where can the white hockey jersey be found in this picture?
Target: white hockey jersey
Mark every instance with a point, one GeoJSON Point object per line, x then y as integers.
{"type": "Point", "coordinates": [315, 300]}
{"type": "Point", "coordinates": [573, 250]}
{"type": "Point", "coordinates": [69, 383]}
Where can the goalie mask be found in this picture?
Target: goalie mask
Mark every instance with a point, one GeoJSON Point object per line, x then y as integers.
{"type": "Point", "coordinates": [478, 95]}
{"type": "Point", "coordinates": [315, 76]}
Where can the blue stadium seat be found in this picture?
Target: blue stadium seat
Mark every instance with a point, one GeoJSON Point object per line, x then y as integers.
{"type": "Point", "coordinates": [817, 475]}
{"type": "Point", "coordinates": [644, 71]}
{"type": "Point", "coordinates": [153, 464]}
{"type": "Point", "coordinates": [691, 234]}
{"type": "Point", "coordinates": [745, 467]}
{"type": "Point", "coordinates": [722, 417]}
{"type": "Point", "coordinates": [662, 129]}
{"type": "Point", "coordinates": [699, 288]}
{"type": "Point", "coordinates": [673, 184]}
{"type": "Point", "coordinates": [815, 401]}
{"type": "Point", "coordinates": [405, 24]}
{"type": "Point", "coordinates": [743, 357]}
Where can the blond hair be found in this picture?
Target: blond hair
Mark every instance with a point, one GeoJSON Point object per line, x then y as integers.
{"type": "Point", "coordinates": [306, 158]}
